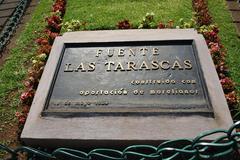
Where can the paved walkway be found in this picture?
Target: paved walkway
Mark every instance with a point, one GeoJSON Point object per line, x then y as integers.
{"type": "Point", "coordinates": [6, 10]}
{"type": "Point", "coordinates": [27, 15]}
{"type": "Point", "coordinates": [234, 8]}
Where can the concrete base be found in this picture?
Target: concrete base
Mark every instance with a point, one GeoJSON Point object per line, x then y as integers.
{"type": "Point", "coordinates": [108, 131]}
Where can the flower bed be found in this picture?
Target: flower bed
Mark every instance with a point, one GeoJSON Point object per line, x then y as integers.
{"type": "Point", "coordinates": [218, 52]}
{"type": "Point", "coordinates": [45, 42]}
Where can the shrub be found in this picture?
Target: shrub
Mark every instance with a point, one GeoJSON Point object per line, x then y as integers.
{"type": "Point", "coordinates": [147, 21]}
{"type": "Point", "coordinates": [125, 24]}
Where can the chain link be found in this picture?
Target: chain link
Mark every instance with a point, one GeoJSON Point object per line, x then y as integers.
{"type": "Point", "coordinates": [226, 143]}
{"type": "Point", "coordinates": [11, 24]}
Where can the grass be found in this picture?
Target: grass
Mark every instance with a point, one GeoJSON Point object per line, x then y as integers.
{"type": "Point", "coordinates": [228, 34]}
{"type": "Point", "coordinates": [13, 72]}
{"type": "Point", "coordinates": [104, 14]}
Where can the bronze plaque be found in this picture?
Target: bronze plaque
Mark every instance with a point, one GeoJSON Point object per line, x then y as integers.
{"type": "Point", "coordinates": [128, 78]}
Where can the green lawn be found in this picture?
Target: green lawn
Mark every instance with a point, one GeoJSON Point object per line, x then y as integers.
{"type": "Point", "coordinates": [228, 34]}
{"type": "Point", "coordinates": [14, 70]}
{"type": "Point", "coordinates": [104, 14]}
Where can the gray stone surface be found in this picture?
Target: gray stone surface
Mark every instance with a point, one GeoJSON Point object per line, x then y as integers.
{"type": "Point", "coordinates": [50, 131]}
{"type": "Point", "coordinates": [238, 28]}
{"type": "Point", "coordinates": [6, 13]}
{"type": "Point", "coordinates": [8, 6]}
{"type": "Point", "coordinates": [3, 21]}
{"type": "Point", "coordinates": [236, 16]}
{"type": "Point", "coordinates": [233, 6]}
{"type": "Point", "coordinates": [10, 1]}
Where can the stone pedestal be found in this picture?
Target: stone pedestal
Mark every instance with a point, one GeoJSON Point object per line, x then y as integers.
{"type": "Point", "coordinates": [168, 82]}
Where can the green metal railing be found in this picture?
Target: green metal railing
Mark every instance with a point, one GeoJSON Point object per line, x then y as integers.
{"type": "Point", "coordinates": [12, 23]}
{"type": "Point", "coordinates": [227, 143]}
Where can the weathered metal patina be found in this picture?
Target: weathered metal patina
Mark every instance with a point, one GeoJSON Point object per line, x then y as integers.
{"type": "Point", "coordinates": [130, 78]}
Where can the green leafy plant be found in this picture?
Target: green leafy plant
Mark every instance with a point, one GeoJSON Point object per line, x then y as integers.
{"type": "Point", "coordinates": [187, 24]}
{"type": "Point", "coordinates": [73, 25]}
{"type": "Point", "coordinates": [147, 21]}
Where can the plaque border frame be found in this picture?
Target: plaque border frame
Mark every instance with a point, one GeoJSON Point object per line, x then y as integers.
{"type": "Point", "coordinates": [131, 111]}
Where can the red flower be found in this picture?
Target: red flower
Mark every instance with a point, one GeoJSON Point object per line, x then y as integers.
{"type": "Point", "coordinates": [227, 84]}
{"type": "Point", "coordinates": [54, 23]}
{"type": "Point", "coordinates": [214, 47]}
{"type": "Point", "coordinates": [18, 114]}
{"type": "Point", "coordinates": [24, 96]}
{"type": "Point", "coordinates": [54, 19]}
{"type": "Point", "coordinates": [58, 7]}
{"type": "Point", "coordinates": [42, 41]}
{"type": "Point", "coordinates": [211, 36]}
{"type": "Point", "coordinates": [202, 14]}
{"type": "Point", "coordinates": [22, 120]}
{"type": "Point", "coordinates": [45, 49]}
{"type": "Point", "coordinates": [161, 25]}
{"type": "Point", "coordinates": [125, 24]}
{"type": "Point", "coordinates": [231, 99]}
{"type": "Point", "coordinates": [27, 96]}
